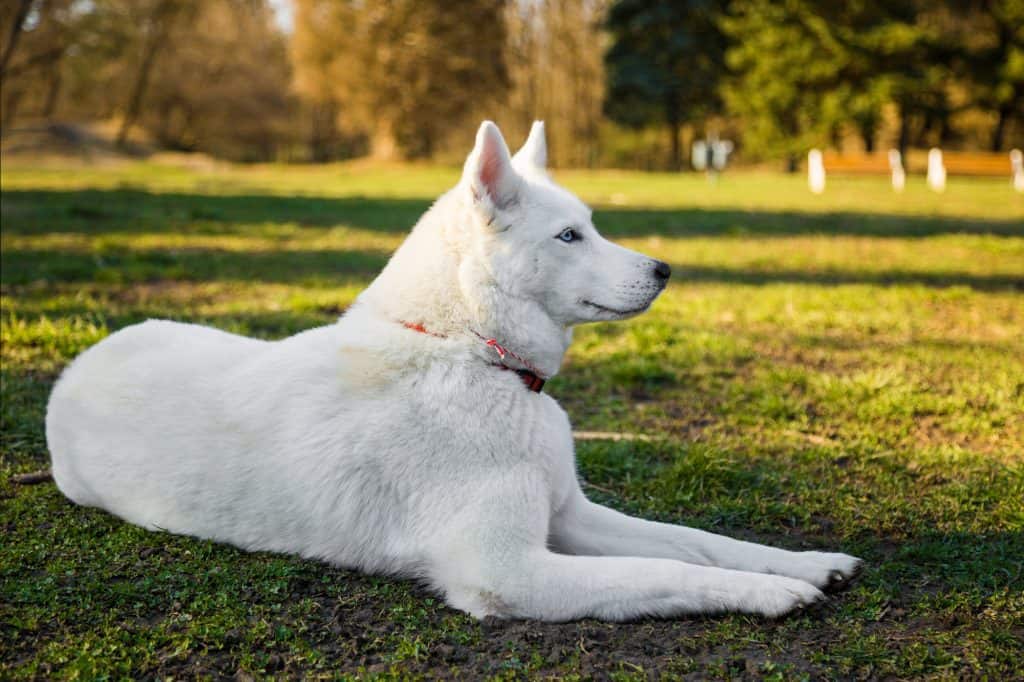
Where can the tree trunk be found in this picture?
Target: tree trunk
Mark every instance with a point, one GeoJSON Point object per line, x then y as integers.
{"type": "Point", "coordinates": [53, 92]}
{"type": "Point", "coordinates": [672, 121]}
{"type": "Point", "coordinates": [675, 155]}
{"type": "Point", "coordinates": [11, 101]}
{"type": "Point", "coordinates": [945, 129]}
{"type": "Point", "coordinates": [383, 145]}
{"type": "Point", "coordinates": [867, 135]}
{"type": "Point", "coordinates": [138, 90]}
{"type": "Point", "coordinates": [324, 132]}
{"type": "Point", "coordinates": [904, 138]}
{"type": "Point", "coordinates": [792, 163]}
{"type": "Point", "coordinates": [1006, 29]}
{"type": "Point", "coordinates": [159, 22]}
{"type": "Point", "coordinates": [12, 39]}
{"type": "Point", "coordinates": [999, 133]}
{"type": "Point", "coordinates": [835, 138]}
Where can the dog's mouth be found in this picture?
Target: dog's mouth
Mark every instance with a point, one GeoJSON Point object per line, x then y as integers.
{"type": "Point", "coordinates": [616, 311]}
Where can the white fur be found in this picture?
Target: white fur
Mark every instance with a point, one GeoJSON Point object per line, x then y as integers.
{"type": "Point", "coordinates": [370, 445]}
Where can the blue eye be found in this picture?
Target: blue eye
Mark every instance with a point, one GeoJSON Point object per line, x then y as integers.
{"type": "Point", "coordinates": [568, 235]}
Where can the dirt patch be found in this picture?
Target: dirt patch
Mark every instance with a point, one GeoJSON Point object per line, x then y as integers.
{"type": "Point", "coordinates": [352, 636]}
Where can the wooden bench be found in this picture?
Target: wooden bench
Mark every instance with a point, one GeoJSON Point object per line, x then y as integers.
{"type": "Point", "coordinates": [856, 163]}
{"type": "Point", "coordinates": [956, 163]}
{"type": "Point", "coordinates": [969, 163]}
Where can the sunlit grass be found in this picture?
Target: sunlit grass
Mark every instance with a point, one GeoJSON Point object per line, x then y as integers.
{"type": "Point", "coordinates": [988, 198]}
{"type": "Point", "coordinates": [841, 371]}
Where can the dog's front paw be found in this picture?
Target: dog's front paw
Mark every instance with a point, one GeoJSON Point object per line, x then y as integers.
{"type": "Point", "coordinates": [777, 595]}
{"type": "Point", "coordinates": [824, 570]}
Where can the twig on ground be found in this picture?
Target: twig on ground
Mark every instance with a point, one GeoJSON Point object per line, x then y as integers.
{"type": "Point", "coordinates": [609, 435]}
{"type": "Point", "coordinates": [608, 491]}
{"type": "Point", "coordinates": [811, 437]}
{"type": "Point", "coordinates": [32, 478]}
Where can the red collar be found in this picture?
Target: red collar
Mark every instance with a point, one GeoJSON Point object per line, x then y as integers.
{"type": "Point", "coordinates": [530, 378]}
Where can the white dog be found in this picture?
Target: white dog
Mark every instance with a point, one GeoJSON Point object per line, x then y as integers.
{"type": "Point", "coordinates": [412, 437]}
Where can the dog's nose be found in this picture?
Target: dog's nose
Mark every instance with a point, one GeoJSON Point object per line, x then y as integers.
{"type": "Point", "coordinates": [662, 270]}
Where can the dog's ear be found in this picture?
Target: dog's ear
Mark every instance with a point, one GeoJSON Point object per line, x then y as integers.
{"type": "Point", "coordinates": [488, 172]}
{"type": "Point", "coordinates": [534, 153]}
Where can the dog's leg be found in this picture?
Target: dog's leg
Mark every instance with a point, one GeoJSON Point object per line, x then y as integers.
{"type": "Point", "coordinates": [585, 528]}
{"type": "Point", "coordinates": [491, 558]}
{"type": "Point", "coordinates": [540, 584]}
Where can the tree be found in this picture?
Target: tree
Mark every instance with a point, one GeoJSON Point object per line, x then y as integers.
{"type": "Point", "coordinates": [665, 64]}
{"type": "Point", "coordinates": [406, 71]}
{"type": "Point", "coordinates": [222, 87]}
{"type": "Point", "coordinates": [995, 62]}
{"type": "Point", "coordinates": [311, 51]}
{"type": "Point", "coordinates": [785, 62]}
{"type": "Point", "coordinates": [38, 35]}
{"type": "Point", "coordinates": [210, 76]}
{"type": "Point", "coordinates": [873, 44]}
{"type": "Point", "coordinates": [157, 20]}
{"type": "Point", "coordinates": [555, 57]}
{"type": "Point", "coordinates": [13, 17]}
{"type": "Point", "coordinates": [803, 71]}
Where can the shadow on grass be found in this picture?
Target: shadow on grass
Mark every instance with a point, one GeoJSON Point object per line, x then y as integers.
{"type": "Point", "coordinates": [129, 211]}
{"type": "Point", "coordinates": [836, 277]}
{"type": "Point", "coordinates": [22, 266]}
{"type": "Point", "coordinates": [726, 223]}
{"type": "Point", "coordinates": [116, 266]}
{"type": "Point", "coordinates": [100, 211]}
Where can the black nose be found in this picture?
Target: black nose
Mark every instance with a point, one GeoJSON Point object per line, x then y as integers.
{"type": "Point", "coordinates": [662, 270]}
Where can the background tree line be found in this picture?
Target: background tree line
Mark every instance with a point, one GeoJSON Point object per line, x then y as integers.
{"type": "Point", "coordinates": [623, 83]}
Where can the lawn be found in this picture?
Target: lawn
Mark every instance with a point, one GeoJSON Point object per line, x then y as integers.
{"type": "Point", "coordinates": [842, 371]}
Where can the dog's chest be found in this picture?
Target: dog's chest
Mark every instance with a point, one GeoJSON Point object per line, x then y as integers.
{"type": "Point", "coordinates": [516, 429]}
{"type": "Point", "coordinates": [443, 435]}
{"type": "Point", "coordinates": [554, 451]}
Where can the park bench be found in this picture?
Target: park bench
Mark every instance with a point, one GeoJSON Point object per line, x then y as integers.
{"type": "Point", "coordinates": [969, 163]}
{"type": "Point", "coordinates": [856, 163]}
{"type": "Point", "coordinates": [956, 163]}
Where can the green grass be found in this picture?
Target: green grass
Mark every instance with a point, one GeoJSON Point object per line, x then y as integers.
{"type": "Point", "coordinates": [841, 371]}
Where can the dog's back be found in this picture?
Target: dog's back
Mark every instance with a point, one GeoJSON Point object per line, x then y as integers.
{"type": "Point", "coordinates": [122, 402]}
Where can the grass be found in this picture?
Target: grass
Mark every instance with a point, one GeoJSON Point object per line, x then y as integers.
{"type": "Point", "coordinates": [841, 371]}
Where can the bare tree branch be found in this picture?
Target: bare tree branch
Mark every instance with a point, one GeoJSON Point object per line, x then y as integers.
{"type": "Point", "coordinates": [16, 28]}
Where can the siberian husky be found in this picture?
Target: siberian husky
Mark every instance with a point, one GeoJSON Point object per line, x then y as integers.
{"type": "Point", "coordinates": [412, 437]}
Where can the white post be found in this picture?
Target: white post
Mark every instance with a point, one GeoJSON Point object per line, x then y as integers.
{"type": "Point", "coordinates": [936, 171]}
{"type": "Point", "coordinates": [699, 155]}
{"type": "Point", "coordinates": [720, 150]}
{"type": "Point", "coordinates": [1017, 164]}
{"type": "Point", "coordinates": [899, 176]}
{"type": "Point", "coordinates": [815, 171]}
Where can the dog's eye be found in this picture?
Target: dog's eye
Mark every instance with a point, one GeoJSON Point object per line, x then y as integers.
{"type": "Point", "coordinates": [568, 235]}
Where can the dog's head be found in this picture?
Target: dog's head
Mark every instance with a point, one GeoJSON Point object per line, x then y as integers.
{"type": "Point", "coordinates": [537, 241]}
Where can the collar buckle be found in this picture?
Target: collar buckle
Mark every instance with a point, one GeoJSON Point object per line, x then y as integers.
{"type": "Point", "coordinates": [531, 378]}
